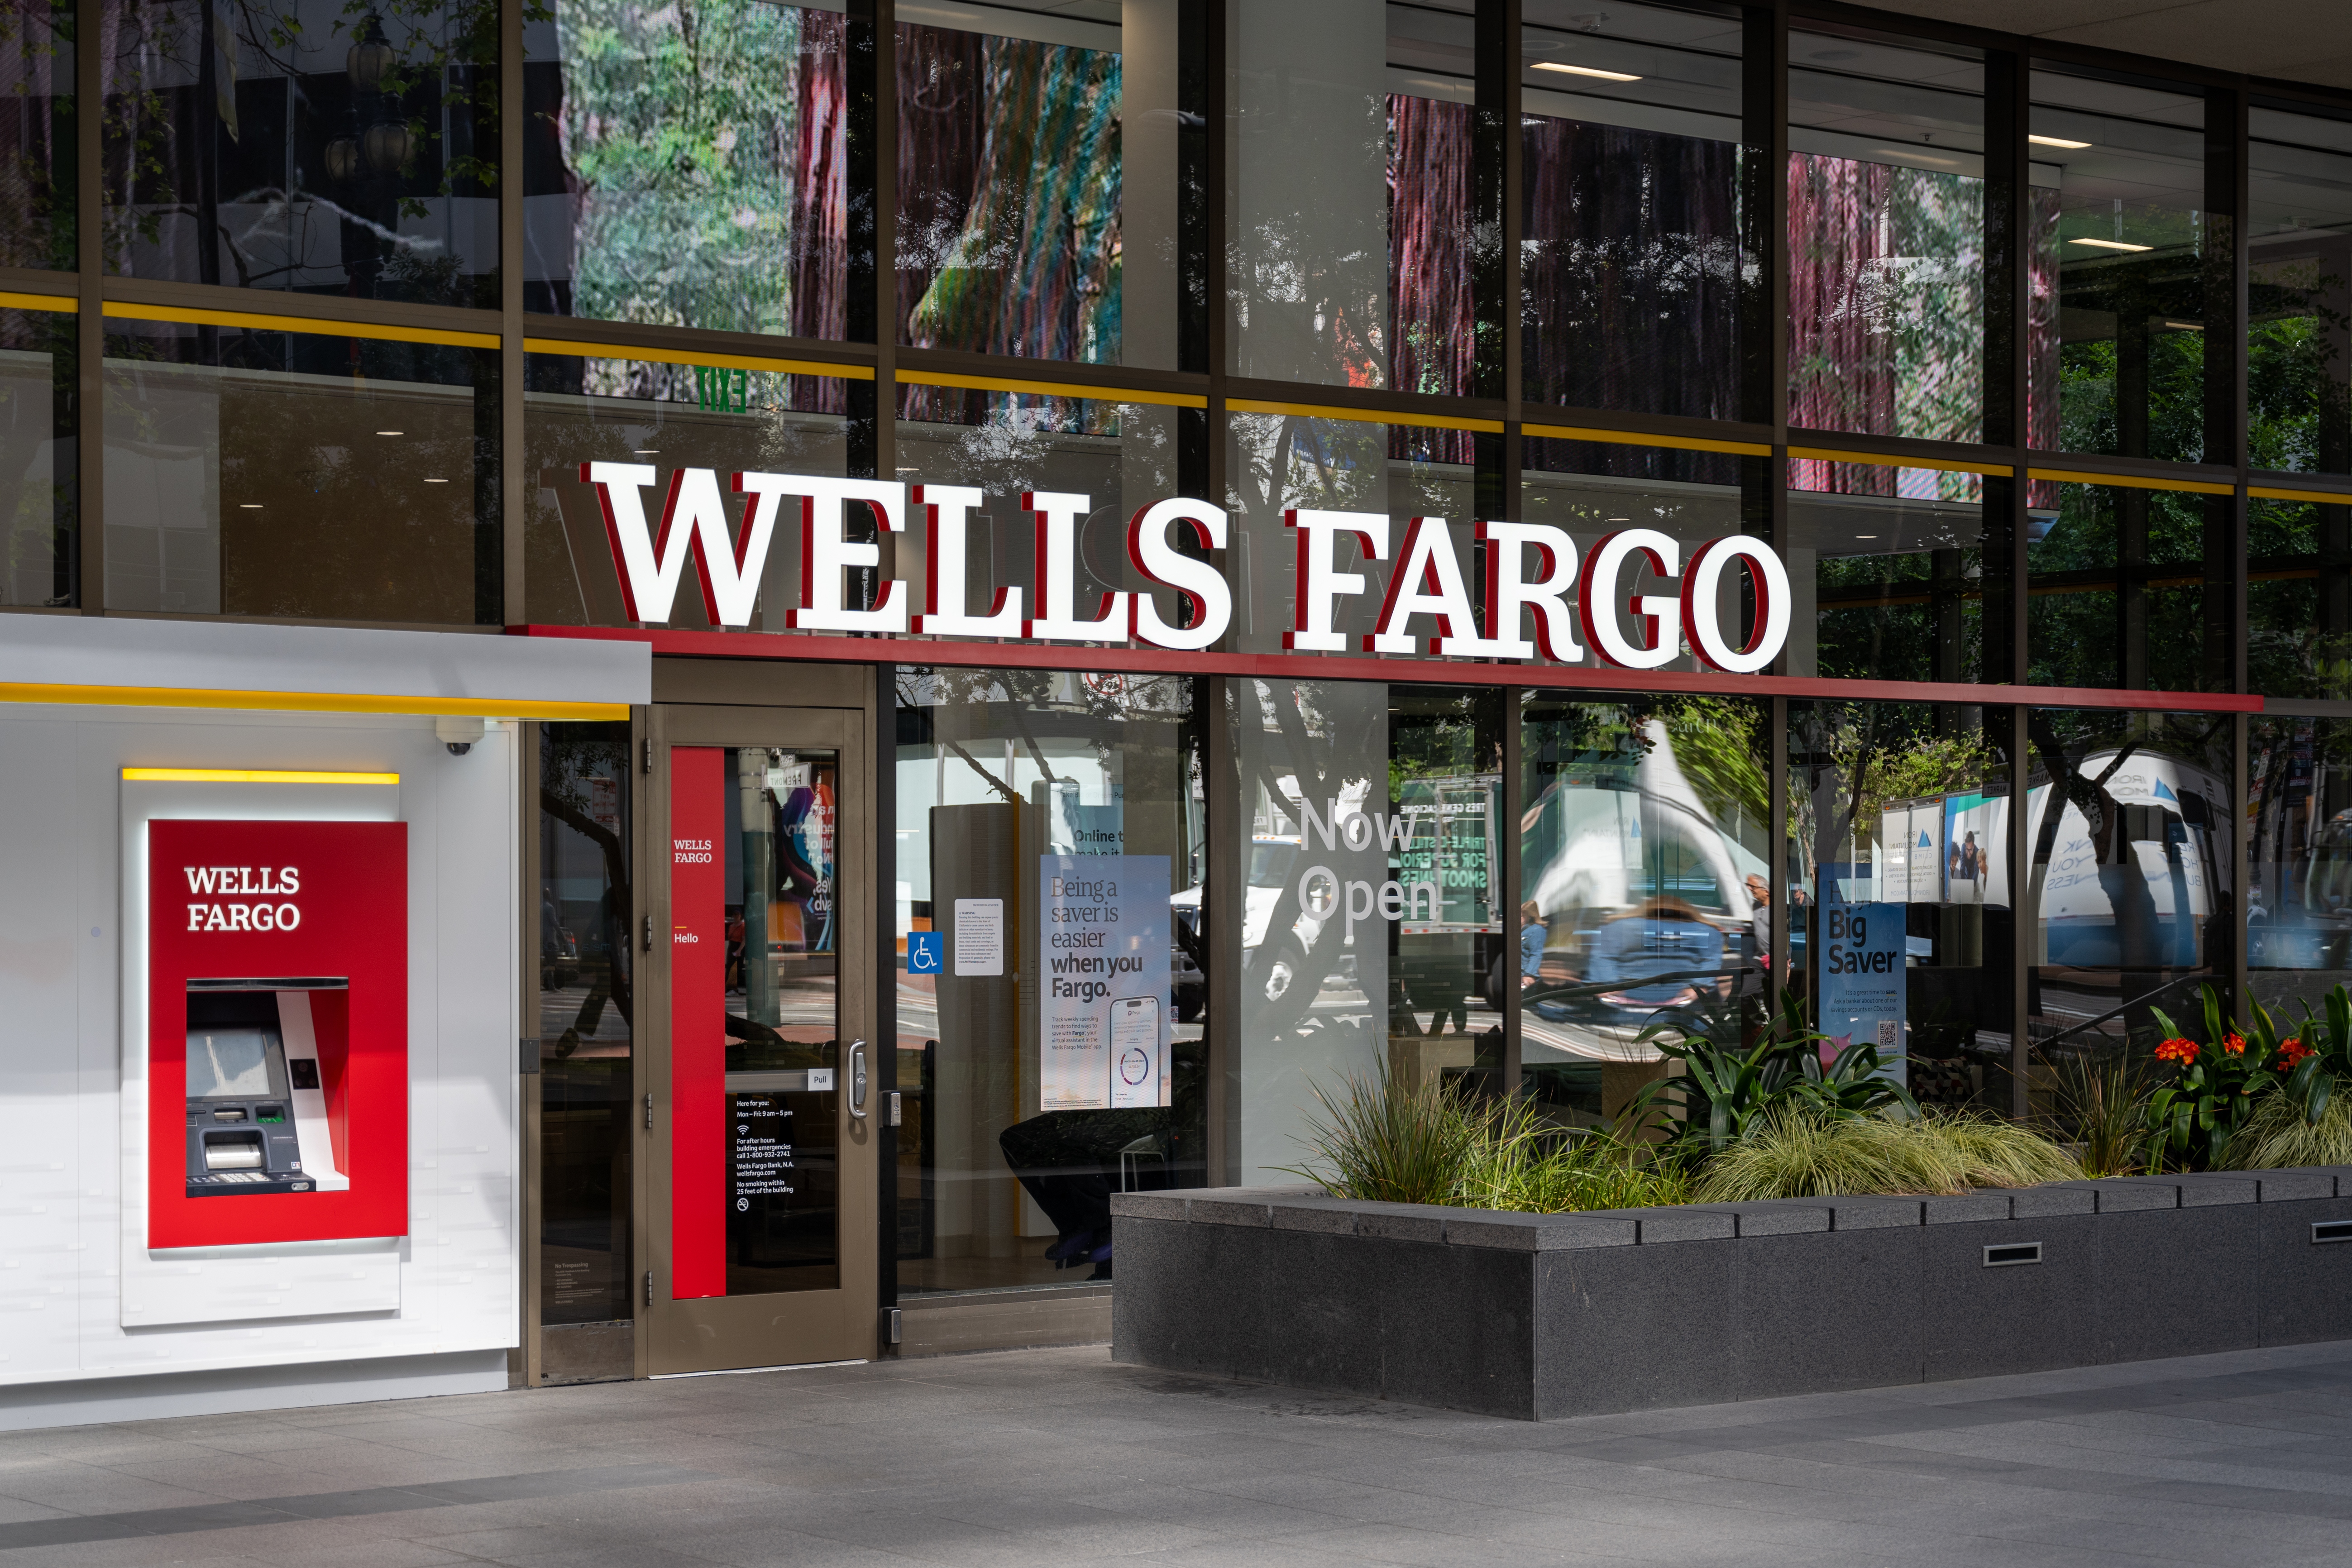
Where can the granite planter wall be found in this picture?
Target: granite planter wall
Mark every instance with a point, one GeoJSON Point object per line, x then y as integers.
{"type": "Point", "coordinates": [1544, 1316]}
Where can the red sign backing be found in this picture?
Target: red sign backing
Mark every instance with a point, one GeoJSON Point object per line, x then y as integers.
{"type": "Point", "coordinates": [230, 900]}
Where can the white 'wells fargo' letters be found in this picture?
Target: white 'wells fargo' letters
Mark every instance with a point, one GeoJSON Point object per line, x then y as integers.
{"type": "Point", "coordinates": [1531, 573]}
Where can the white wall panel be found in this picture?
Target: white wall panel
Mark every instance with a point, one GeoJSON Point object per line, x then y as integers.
{"type": "Point", "coordinates": [40, 1082]}
{"type": "Point", "coordinates": [66, 1229]}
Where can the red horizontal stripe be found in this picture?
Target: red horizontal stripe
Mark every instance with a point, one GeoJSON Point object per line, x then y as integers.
{"type": "Point", "coordinates": [1314, 666]}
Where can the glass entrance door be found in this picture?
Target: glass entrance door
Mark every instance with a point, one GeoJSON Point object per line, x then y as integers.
{"type": "Point", "coordinates": [762, 1111]}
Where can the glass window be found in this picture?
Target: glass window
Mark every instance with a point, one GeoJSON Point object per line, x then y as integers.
{"type": "Point", "coordinates": [36, 135]}
{"type": "Point", "coordinates": [1275, 462]}
{"type": "Point", "coordinates": [1644, 855]}
{"type": "Point", "coordinates": [2130, 875]}
{"type": "Point", "coordinates": [2299, 869]}
{"type": "Point", "coordinates": [1885, 237]}
{"type": "Point", "coordinates": [1043, 158]}
{"type": "Point", "coordinates": [1349, 213]}
{"type": "Point", "coordinates": [769, 1007]}
{"type": "Point", "coordinates": [349, 151]}
{"type": "Point", "coordinates": [251, 471]}
{"type": "Point", "coordinates": [2130, 243]}
{"type": "Point", "coordinates": [2299, 597]}
{"type": "Point", "coordinates": [1374, 941]}
{"type": "Point", "coordinates": [1115, 456]}
{"type": "Point", "coordinates": [586, 1022]}
{"type": "Point", "coordinates": [1589, 489]}
{"type": "Point", "coordinates": [2118, 590]}
{"type": "Point", "coordinates": [1894, 560]}
{"type": "Point", "coordinates": [688, 165]}
{"type": "Point", "coordinates": [37, 456]}
{"type": "Point", "coordinates": [1899, 814]}
{"type": "Point", "coordinates": [1631, 262]}
{"type": "Point", "coordinates": [669, 420]}
{"type": "Point", "coordinates": [1052, 958]}
{"type": "Point", "coordinates": [2299, 332]}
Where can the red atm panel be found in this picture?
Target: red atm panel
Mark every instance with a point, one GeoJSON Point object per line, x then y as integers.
{"type": "Point", "coordinates": [298, 900]}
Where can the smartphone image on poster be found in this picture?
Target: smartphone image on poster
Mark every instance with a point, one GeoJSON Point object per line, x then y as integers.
{"type": "Point", "coordinates": [1134, 1052]}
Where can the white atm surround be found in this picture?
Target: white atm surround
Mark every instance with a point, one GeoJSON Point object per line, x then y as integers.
{"type": "Point", "coordinates": [73, 1263]}
{"type": "Point", "coordinates": [313, 1279]}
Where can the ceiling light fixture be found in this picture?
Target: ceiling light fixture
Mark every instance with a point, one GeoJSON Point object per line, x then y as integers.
{"type": "Point", "coordinates": [1583, 71]}
{"type": "Point", "coordinates": [2186, 326]}
{"type": "Point", "coordinates": [248, 506]}
{"type": "Point", "coordinates": [2057, 141]}
{"type": "Point", "coordinates": [648, 451]}
{"type": "Point", "coordinates": [391, 432]}
{"type": "Point", "coordinates": [437, 481]}
{"type": "Point", "coordinates": [2111, 245]}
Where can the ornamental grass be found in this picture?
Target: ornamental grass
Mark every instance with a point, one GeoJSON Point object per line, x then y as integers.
{"type": "Point", "coordinates": [2276, 1134]}
{"type": "Point", "coordinates": [1387, 1142]}
{"type": "Point", "coordinates": [1797, 1152]}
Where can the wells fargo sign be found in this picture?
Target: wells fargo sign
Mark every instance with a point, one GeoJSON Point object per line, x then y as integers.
{"type": "Point", "coordinates": [1538, 595]}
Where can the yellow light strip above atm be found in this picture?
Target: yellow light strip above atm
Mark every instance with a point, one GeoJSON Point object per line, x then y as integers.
{"type": "Point", "coordinates": [315, 702]}
{"type": "Point", "coordinates": [250, 775]}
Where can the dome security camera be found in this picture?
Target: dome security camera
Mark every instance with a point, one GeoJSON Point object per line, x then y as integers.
{"type": "Point", "coordinates": [459, 734]}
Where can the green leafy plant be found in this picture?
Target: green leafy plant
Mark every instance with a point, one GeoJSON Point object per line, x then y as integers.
{"type": "Point", "coordinates": [1800, 1151]}
{"type": "Point", "coordinates": [1726, 1087]}
{"type": "Point", "coordinates": [2315, 1058]}
{"type": "Point", "coordinates": [2193, 1118]}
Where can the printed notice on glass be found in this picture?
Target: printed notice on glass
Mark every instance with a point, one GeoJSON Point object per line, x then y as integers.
{"type": "Point", "coordinates": [761, 1155]}
{"type": "Point", "coordinates": [1861, 977]}
{"type": "Point", "coordinates": [1102, 1013]}
{"type": "Point", "coordinates": [979, 936]}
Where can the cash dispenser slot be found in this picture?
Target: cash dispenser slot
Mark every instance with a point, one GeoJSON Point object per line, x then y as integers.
{"type": "Point", "coordinates": [233, 1151]}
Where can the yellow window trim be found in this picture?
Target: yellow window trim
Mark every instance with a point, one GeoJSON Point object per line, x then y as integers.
{"type": "Point", "coordinates": [250, 775]}
{"type": "Point", "coordinates": [2131, 481]}
{"type": "Point", "coordinates": [1630, 439]}
{"type": "Point", "coordinates": [123, 309]}
{"type": "Point", "coordinates": [1881, 460]}
{"type": "Point", "coordinates": [572, 350]}
{"type": "Point", "coordinates": [1052, 389]}
{"type": "Point", "coordinates": [2321, 497]}
{"type": "Point", "coordinates": [1363, 416]}
{"type": "Point", "coordinates": [14, 301]}
{"type": "Point", "coordinates": [311, 702]}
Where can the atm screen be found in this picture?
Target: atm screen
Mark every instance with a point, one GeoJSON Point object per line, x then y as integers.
{"type": "Point", "coordinates": [244, 1062]}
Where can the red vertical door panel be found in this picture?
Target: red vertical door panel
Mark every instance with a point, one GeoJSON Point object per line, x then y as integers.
{"type": "Point", "coordinates": [697, 1022]}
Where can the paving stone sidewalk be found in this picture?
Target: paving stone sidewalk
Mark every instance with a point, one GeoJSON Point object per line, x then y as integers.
{"type": "Point", "coordinates": [1060, 1457]}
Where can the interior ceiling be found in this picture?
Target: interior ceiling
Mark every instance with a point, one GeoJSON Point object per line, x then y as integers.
{"type": "Point", "coordinates": [2292, 40]}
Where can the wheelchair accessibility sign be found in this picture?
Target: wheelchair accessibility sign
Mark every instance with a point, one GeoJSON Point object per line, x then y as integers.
{"type": "Point", "coordinates": [925, 950]}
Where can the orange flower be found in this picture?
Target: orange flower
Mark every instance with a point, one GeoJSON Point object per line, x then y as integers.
{"type": "Point", "coordinates": [2291, 1053]}
{"type": "Point", "coordinates": [2176, 1050]}
{"type": "Point", "coordinates": [2233, 1045]}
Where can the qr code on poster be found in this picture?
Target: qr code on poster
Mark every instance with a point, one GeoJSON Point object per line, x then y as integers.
{"type": "Point", "coordinates": [1890, 1033]}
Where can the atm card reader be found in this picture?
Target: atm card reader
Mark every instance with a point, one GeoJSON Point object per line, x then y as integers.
{"type": "Point", "coordinates": [241, 1127]}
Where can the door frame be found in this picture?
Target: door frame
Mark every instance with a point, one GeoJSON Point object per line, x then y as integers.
{"type": "Point", "coordinates": [749, 1331]}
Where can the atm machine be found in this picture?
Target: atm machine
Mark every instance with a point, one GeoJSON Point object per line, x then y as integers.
{"type": "Point", "coordinates": [258, 1104]}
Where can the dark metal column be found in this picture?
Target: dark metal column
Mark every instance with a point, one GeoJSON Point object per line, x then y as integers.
{"type": "Point", "coordinates": [886, 992]}
{"type": "Point", "coordinates": [88, 589]}
{"type": "Point", "coordinates": [514, 489]}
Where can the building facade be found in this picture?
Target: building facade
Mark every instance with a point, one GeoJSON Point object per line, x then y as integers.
{"type": "Point", "coordinates": [613, 619]}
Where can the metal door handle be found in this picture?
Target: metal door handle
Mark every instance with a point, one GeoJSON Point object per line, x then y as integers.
{"type": "Point", "coordinates": [857, 1078]}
